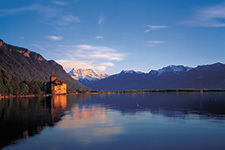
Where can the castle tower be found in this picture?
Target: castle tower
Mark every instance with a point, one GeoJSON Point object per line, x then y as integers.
{"type": "Point", "coordinates": [53, 77]}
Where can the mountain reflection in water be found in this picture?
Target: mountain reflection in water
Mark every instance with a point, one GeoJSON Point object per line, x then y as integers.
{"type": "Point", "coordinates": [24, 117]}
{"type": "Point", "coordinates": [114, 120]}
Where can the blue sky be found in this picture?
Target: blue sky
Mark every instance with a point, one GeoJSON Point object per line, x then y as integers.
{"type": "Point", "coordinates": [112, 35]}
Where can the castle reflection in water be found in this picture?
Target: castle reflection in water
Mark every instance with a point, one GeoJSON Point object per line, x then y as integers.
{"type": "Point", "coordinates": [24, 117]}
{"type": "Point", "coordinates": [84, 121]}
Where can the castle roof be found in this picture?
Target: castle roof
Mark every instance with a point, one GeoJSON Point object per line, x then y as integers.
{"type": "Point", "coordinates": [58, 82]}
{"type": "Point", "coordinates": [53, 75]}
{"type": "Point", "coordinates": [63, 81]}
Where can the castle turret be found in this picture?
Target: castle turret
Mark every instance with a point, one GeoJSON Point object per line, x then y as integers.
{"type": "Point", "coordinates": [53, 77]}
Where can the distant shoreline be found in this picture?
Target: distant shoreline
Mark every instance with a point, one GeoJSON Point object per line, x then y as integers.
{"type": "Point", "coordinates": [120, 92]}
{"type": "Point", "coordinates": [160, 91]}
{"type": "Point", "coordinates": [28, 95]}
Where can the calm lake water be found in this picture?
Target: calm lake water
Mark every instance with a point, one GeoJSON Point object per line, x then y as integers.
{"type": "Point", "coordinates": [154, 121]}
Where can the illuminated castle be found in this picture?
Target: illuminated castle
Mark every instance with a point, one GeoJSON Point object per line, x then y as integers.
{"type": "Point", "coordinates": [55, 86]}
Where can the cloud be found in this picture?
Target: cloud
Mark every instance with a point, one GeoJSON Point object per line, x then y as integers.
{"type": "Point", "coordinates": [100, 20]}
{"type": "Point", "coordinates": [97, 52]}
{"type": "Point", "coordinates": [63, 46]}
{"type": "Point", "coordinates": [155, 42]}
{"type": "Point", "coordinates": [150, 45]}
{"type": "Point", "coordinates": [16, 11]}
{"type": "Point", "coordinates": [38, 47]}
{"type": "Point", "coordinates": [98, 37]}
{"type": "Point", "coordinates": [70, 19]}
{"type": "Point", "coordinates": [73, 63]}
{"type": "Point", "coordinates": [100, 68]}
{"type": "Point", "coordinates": [213, 16]}
{"type": "Point", "coordinates": [53, 16]}
{"type": "Point", "coordinates": [84, 47]}
{"type": "Point", "coordinates": [88, 56]}
{"type": "Point", "coordinates": [151, 28]}
{"type": "Point", "coordinates": [54, 38]}
{"type": "Point", "coordinates": [97, 48]}
{"type": "Point", "coordinates": [60, 3]}
{"type": "Point", "coordinates": [107, 64]}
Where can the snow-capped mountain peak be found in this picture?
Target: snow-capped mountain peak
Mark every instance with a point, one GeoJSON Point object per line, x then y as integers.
{"type": "Point", "coordinates": [88, 74]}
{"type": "Point", "coordinates": [128, 71]}
{"type": "Point", "coordinates": [173, 68]}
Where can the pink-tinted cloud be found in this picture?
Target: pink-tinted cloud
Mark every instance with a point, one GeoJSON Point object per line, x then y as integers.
{"type": "Point", "coordinates": [54, 38]}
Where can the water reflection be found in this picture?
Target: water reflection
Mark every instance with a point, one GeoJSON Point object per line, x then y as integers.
{"type": "Point", "coordinates": [59, 102]}
{"type": "Point", "coordinates": [89, 124]}
{"type": "Point", "coordinates": [24, 117]}
{"type": "Point", "coordinates": [118, 121]}
{"type": "Point", "coordinates": [211, 105]}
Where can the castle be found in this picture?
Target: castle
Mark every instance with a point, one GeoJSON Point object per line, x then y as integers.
{"type": "Point", "coordinates": [55, 86]}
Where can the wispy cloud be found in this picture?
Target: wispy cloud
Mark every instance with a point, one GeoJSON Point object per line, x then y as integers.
{"type": "Point", "coordinates": [16, 11]}
{"type": "Point", "coordinates": [38, 47]}
{"type": "Point", "coordinates": [53, 16]}
{"type": "Point", "coordinates": [213, 16]}
{"type": "Point", "coordinates": [71, 19]}
{"type": "Point", "coordinates": [155, 42]}
{"type": "Point", "coordinates": [100, 20]}
{"type": "Point", "coordinates": [151, 28]}
{"type": "Point", "coordinates": [60, 3]}
{"type": "Point", "coordinates": [73, 63]}
{"type": "Point", "coordinates": [54, 38]}
{"type": "Point", "coordinates": [150, 45]}
{"type": "Point", "coordinates": [97, 53]}
{"type": "Point", "coordinates": [107, 64]}
{"type": "Point", "coordinates": [88, 56]}
{"type": "Point", "coordinates": [99, 37]}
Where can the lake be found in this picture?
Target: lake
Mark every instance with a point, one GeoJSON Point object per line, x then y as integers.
{"type": "Point", "coordinates": [152, 121]}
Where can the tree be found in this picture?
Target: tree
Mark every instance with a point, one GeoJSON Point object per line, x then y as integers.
{"type": "Point", "coordinates": [2, 87]}
{"type": "Point", "coordinates": [7, 89]}
{"type": "Point", "coordinates": [34, 88]}
{"type": "Point", "coordinates": [24, 89]}
{"type": "Point", "coordinates": [15, 84]}
{"type": "Point", "coordinates": [4, 74]}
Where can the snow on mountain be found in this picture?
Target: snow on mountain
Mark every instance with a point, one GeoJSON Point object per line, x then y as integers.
{"type": "Point", "coordinates": [171, 77]}
{"type": "Point", "coordinates": [128, 72]}
{"type": "Point", "coordinates": [88, 74]}
{"type": "Point", "coordinates": [172, 68]}
{"type": "Point", "coordinates": [210, 76]}
{"type": "Point", "coordinates": [168, 69]}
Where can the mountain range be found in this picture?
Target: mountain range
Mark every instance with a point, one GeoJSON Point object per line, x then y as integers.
{"type": "Point", "coordinates": [87, 76]}
{"type": "Point", "coordinates": [27, 65]}
{"type": "Point", "coordinates": [171, 77]}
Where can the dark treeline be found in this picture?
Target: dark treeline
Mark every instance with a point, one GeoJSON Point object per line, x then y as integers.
{"type": "Point", "coordinates": [13, 86]}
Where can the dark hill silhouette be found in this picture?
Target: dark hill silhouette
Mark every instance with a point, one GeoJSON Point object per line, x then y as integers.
{"type": "Point", "coordinates": [28, 65]}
